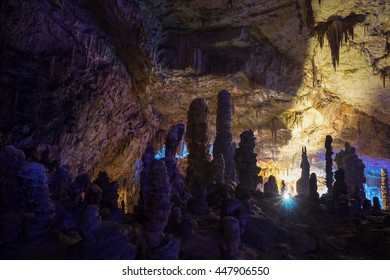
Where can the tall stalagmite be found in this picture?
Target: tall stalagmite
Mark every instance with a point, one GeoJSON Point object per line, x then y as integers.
{"type": "Point", "coordinates": [159, 245]}
{"type": "Point", "coordinates": [174, 138]}
{"type": "Point", "coordinates": [248, 171]}
{"type": "Point", "coordinates": [303, 183]}
{"type": "Point", "coordinates": [385, 188]}
{"type": "Point", "coordinates": [198, 170]}
{"type": "Point", "coordinates": [223, 140]}
{"type": "Point", "coordinates": [329, 163]}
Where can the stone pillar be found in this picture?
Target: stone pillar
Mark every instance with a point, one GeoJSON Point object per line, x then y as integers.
{"type": "Point", "coordinates": [198, 170]}
{"type": "Point", "coordinates": [385, 188]}
{"type": "Point", "coordinates": [329, 163]}
{"type": "Point", "coordinates": [231, 236]}
{"type": "Point", "coordinates": [246, 161]}
{"type": "Point", "coordinates": [303, 183]}
{"type": "Point", "coordinates": [223, 140]}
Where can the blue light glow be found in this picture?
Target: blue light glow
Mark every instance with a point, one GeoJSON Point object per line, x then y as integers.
{"type": "Point", "coordinates": [161, 154]}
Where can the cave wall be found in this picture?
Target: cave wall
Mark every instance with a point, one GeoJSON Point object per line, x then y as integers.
{"type": "Point", "coordinates": [95, 82]}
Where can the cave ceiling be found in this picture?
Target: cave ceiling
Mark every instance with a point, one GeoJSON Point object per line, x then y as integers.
{"type": "Point", "coordinates": [297, 70]}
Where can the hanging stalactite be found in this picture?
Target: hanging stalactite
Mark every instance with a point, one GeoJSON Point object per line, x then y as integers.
{"type": "Point", "coordinates": [336, 29]}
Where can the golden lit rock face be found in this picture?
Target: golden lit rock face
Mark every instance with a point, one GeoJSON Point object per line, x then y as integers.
{"type": "Point", "coordinates": [349, 102]}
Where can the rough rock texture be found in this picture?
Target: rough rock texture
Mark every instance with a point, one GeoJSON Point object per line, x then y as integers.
{"type": "Point", "coordinates": [270, 186]}
{"type": "Point", "coordinates": [354, 171]}
{"type": "Point", "coordinates": [329, 163]}
{"type": "Point", "coordinates": [246, 164]}
{"type": "Point", "coordinates": [385, 188]}
{"type": "Point", "coordinates": [231, 235]}
{"type": "Point", "coordinates": [313, 187]}
{"type": "Point", "coordinates": [224, 138]}
{"type": "Point", "coordinates": [91, 81]}
{"type": "Point", "coordinates": [159, 245]}
{"type": "Point", "coordinates": [198, 169]}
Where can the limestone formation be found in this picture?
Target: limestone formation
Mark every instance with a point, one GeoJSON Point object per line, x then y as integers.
{"type": "Point", "coordinates": [109, 195]}
{"type": "Point", "coordinates": [385, 188]}
{"type": "Point", "coordinates": [313, 187]}
{"type": "Point", "coordinates": [160, 246]}
{"type": "Point", "coordinates": [303, 183]}
{"type": "Point", "coordinates": [104, 240]}
{"type": "Point", "coordinates": [340, 190]}
{"type": "Point", "coordinates": [60, 182]}
{"type": "Point", "coordinates": [78, 188]}
{"type": "Point", "coordinates": [93, 194]}
{"type": "Point", "coordinates": [145, 183]}
{"type": "Point", "coordinates": [248, 171]}
{"type": "Point", "coordinates": [329, 163]}
{"type": "Point", "coordinates": [223, 139]}
{"type": "Point", "coordinates": [174, 138]}
{"type": "Point", "coordinates": [231, 237]}
{"type": "Point", "coordinates": [270, 186]}
{"type": "Point", "coordinates": [376, 207]}
{"type": "Point", "coordinates": [198, 169]}
{"type": "Point", "coordinates": [354, 171]}
{"type": "Point", "coordinates": [40, 209]}
{"type": "Point", "coordinates": [235, 208]}
{"type": "Point", "coordinates": [12, 196]}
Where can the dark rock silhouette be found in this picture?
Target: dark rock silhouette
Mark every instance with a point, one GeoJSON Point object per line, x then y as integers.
{"type": "Point", "coordinates": [385, 188]}
{"type": "Point", "coordinates": [198, 169]}
{"type": "Point", "coordinates": [231, 237]}
{"type": "Point", "coordinates": [223, 139]}
{"type": "Point", "coordinates": [270, 186]}
{"type": "Point", "coordinates": [303, 183]}
{"type": "Point", "coordinates": [158, 245]}
{"type": "Point", "coordinates": [248, 171]}
{"type": "Point", "coordinates": [313, 187]}
{"type": "Point", "coordinates": [329, 163]}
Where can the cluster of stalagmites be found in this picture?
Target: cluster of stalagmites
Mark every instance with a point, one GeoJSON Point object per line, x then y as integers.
{"type": "Point", "coordinates": [54, 212]}
{"type": "Point", "coordinates": [227, 180]}
{"type": "Point", "coordinates": [84, 218]}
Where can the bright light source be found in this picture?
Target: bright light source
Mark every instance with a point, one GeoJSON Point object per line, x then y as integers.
{"type": "Point", "coordinates": [286, 196]}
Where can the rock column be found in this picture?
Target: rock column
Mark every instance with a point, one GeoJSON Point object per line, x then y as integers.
{"type": "Point", "coordinates": [223, 140]}
{"type": "Point", "coordinates": [303, 183]}
{"type": "Point", "coordinates": [385, 188]}
{"type": "Point", "coordinates": [247, 169]}
{"type": "Point", "coordinates": [329, 163]}
{"type": "Point", "coordinates": [198, 170]}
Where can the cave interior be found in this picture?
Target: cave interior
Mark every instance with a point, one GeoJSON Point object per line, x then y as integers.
{"type": "Point", "coordinates": [174, 129]}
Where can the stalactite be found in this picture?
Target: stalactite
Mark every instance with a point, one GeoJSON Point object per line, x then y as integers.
{"type": "Point", "coordinates": [336, 29]}
{"type": "Point", "coordinates": [309, 14]}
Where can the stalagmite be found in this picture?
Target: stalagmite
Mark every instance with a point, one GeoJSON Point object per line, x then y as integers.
{"type": "Point", "coordinates": [313, 187]}
{"type": "Point", "coordinates": [231, 237]}
{"type": "Point", "coordinates": [329, 163]}
{"type": "Point", "coordinates": [248, 171]}
{"type": "Point", "coordinates": [224, 138]}
{"type": "Point", "coordinates": [385, 188]}
{"type": "Point", "coordinates": [303, 183]}
{"type": "Point", "coordinates": [159, 245]}
{"type": "Point", "coordinates": [197, 137]}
